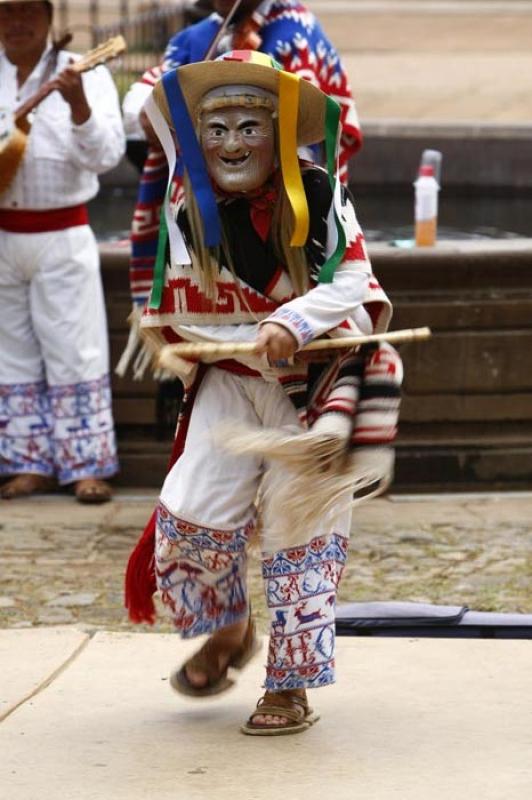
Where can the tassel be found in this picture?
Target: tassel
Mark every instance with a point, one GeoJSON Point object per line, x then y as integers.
{"type": "Point", "coordinates": [141, 584]}
{"type": "Point", "coordinates": [141, 351]}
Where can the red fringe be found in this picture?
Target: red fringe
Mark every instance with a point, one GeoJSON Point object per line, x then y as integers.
{"type": "Point", "coordinates": [140, 577]}
{"type": "Point", "coordinates": [140, 582]}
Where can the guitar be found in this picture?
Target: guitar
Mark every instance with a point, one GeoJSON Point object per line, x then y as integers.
{"type": "Point", "coordinates": [15, 126]}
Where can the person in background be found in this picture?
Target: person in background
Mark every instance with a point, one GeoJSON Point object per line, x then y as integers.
{"type": "Point", "coordinates": [283, 29]}
{"type": "Point", "coordinates": [56, 422]}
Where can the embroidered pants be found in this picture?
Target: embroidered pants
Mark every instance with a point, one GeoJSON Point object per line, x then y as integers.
{"type": "Point", "coordinates": [55, 397]}
{"type": "Point", "coordinates": [205, 517]}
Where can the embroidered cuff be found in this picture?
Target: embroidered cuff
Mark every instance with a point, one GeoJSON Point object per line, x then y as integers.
{"type": "Point", "coordinates": [293, 322]}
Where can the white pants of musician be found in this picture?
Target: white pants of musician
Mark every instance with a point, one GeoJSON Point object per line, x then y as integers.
{"type": "Point", "coordinates": [55, 397]}
{"type": "Point", "coordinates": [205, 518]}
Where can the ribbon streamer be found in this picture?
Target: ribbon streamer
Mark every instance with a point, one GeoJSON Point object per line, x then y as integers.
{"type": "Point", "coordinates": [288, 114]}
{"type": "Point", "coordinates": [168, 227]}
{"type": "Point", "coordinates": [336, 233]}
{"type": "Point", "coordinates": [193, 158]}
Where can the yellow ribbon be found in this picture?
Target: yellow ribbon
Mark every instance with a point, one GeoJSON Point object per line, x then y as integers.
{"type": "Point", "coordinates": [288, 113]}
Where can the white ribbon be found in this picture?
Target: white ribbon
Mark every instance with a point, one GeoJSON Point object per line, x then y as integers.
{"type": "Point", "coordinates": [178, 249]}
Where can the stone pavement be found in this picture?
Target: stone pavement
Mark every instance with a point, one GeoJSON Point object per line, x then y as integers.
{"type": "Point", "coordinates": [63, 563]}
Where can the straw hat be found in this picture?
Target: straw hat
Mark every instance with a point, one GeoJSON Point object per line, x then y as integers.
{"type": "Point", "coordinates": [248, 68]}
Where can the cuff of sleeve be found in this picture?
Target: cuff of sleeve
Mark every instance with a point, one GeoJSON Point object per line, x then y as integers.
{"type": "Point", "coordinates": [89, 130]}
{"type": "Point", "coordinates": [293, 322]}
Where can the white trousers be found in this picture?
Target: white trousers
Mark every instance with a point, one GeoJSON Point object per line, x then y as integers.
{"type": "Point", "coordinates": [55, 399]}
{"type": "Point", "coordinates": [205, 518]}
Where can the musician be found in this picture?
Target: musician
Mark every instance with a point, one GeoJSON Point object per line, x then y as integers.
{"type": "Point", "coordinates": [55, 405]}
{"type": "Point", "coordinates": [285, 30]}
{"type": "Point", "coordinates": [253, 258]}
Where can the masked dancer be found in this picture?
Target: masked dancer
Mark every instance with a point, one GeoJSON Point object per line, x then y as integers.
{"type": "Point", "coordinates": [266, 249]}
{"type": "Point", "coordinates": [284, 29]}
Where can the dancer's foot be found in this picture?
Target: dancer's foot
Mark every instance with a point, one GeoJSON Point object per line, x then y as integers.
{"type": "Point", "coordinates": [26, 484]}
{"type": "Point", "coordinates": [280, 713]}
{"type": "Point", "coordinates": [92, 490]}
{"type": "Point", "coordinates": [219, 649]}
{"type": "Point", "coordinates": [205, 673]}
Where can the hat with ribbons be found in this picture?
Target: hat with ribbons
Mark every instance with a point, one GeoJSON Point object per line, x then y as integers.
{"type": "Point", "coordinates": [306, 116]}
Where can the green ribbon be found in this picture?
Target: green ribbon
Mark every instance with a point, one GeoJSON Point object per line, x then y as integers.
{"type": "Point", "coordinates": [159, 269]}
{"type": "Point", "coordinates": [332, 126]}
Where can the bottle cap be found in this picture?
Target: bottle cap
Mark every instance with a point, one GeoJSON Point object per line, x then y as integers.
{"type": "Point", "coordinates": [426, 170]}
{"type": "Point", "coordinates": [433, 158]}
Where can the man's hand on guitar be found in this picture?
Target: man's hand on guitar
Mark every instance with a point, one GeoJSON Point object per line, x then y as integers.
{"type": "Point", "coordinates": [70, 85]}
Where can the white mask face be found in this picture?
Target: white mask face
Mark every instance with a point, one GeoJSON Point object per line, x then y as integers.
{"type": "Point", "coordinates": [239, 147]}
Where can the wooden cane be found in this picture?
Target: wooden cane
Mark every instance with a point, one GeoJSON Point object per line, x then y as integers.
{"type": "Point", "coordinates": [197, 350]}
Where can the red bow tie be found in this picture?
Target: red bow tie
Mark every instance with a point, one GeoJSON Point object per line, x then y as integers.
{"type": "Point", "coordinates": [261, 211]}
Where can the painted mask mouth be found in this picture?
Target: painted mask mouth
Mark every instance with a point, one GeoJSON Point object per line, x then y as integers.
{"type": "Point", "coordinates": [235, 162]}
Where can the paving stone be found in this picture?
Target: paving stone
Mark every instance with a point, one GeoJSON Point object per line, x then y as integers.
{"type": "Point", "coordinates": [55, 616]}
{"type": "Point", "coordinates": [71, 600]}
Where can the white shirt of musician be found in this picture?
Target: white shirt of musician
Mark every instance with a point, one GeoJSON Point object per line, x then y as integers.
{"type": "Point", "coordinates": [62, 160]}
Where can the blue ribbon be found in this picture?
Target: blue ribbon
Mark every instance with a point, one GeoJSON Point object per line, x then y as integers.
{"type": "Point", "coordinates": [193, 160]}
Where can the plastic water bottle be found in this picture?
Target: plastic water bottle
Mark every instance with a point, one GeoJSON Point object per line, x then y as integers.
{"type": "Point", "coordinates": [426, 209]}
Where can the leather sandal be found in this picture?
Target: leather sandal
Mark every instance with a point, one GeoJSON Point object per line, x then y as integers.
{"type": "Point", "coordinates": [92, 491]}
{"type": "Point", "coordinates": [27, 484]}
{"type": "Point", "coordinates": [206, 660]}
{"type": "Point", "coordinates": [290, 705]}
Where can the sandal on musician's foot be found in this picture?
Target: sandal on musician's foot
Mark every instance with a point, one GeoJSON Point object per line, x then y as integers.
{"type": "Point", "coordinates": [92, 490]}
{"type": "Point", "coordinates": [282, 713]}
{"type": "Point", "coordinates": [207, 661]}
{"type": "Point", "coordinates": [26, 484]}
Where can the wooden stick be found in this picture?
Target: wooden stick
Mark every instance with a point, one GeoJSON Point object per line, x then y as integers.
{"type": "Point", "coordinates": [229, 349]}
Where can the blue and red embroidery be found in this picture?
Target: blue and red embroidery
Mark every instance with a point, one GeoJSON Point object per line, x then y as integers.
{"type": "Point", "coordinates": [61, 430]}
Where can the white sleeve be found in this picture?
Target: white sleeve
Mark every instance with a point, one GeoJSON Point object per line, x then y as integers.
{"type": "Point", "coordinates": [132, 105]}
{"type": "Point", "coordinates": [99, 143]}
{"type": "Point", "coordinates": [325, 307]}
{"type": "Point", "coordinates": [328, 305]}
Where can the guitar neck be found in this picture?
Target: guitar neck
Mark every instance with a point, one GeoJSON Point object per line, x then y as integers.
{"type": "Point", "coordinates": [100, 55]}
{"type": "Point", "coordinates": [23, 110]}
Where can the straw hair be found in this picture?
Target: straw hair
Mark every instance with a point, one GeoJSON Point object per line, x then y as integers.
{"type": "Point", "coordinates": [312, 476]}
{"type": "Point", "coordinates": [196, 80]}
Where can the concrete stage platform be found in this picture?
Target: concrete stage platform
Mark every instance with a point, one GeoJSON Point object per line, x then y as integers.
{"type": "Point", "coordinates": [93, 718]}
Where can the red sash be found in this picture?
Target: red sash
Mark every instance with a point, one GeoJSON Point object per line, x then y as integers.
{"type": "Point", "coordinates": [57, 219]}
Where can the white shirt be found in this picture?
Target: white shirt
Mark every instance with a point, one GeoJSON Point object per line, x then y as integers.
{"type": "Point", "coordinates": [62, 160]}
